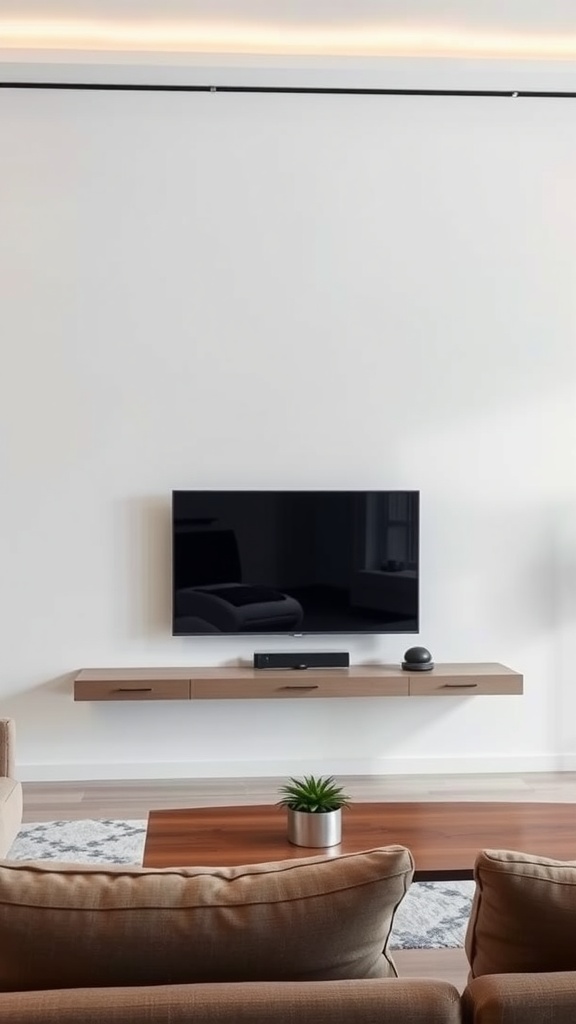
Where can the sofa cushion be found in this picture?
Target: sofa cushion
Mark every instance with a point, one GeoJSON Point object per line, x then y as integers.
{"type": "Point", "coordinates": [398, 1001]}
{"type": "Point", "coordinates": [548, 998]}
{"type": "Point", "coordinates": [319, 918]}
{"type": "Point", "coordinates": [523, 914]}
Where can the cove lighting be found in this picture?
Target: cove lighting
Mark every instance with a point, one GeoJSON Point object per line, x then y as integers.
{"type": "Point", "coordinates": [262, 39]}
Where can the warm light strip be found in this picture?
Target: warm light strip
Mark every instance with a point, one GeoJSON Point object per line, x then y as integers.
{"type": "Point", "coordinates": [191, 37]}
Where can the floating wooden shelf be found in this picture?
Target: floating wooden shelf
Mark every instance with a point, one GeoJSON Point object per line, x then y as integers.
{"type": "Point", "coordinates": [449, 680]}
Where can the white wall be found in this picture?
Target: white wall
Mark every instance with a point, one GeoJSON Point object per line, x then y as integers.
{"type": "Point", "coordinates": [285, 291]}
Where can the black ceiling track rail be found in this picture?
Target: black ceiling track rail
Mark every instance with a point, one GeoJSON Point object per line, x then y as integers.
{"type": "Point", "coordinates": [309, 90]}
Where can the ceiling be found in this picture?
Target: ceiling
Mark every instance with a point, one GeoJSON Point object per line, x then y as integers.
{"type": "Point", "coordinates": [469, 29]}
{"type": "Point", "coordinates": [351, 44]}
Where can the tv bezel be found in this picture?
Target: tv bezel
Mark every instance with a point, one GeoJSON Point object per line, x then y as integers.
{"type": "Point", "coordinates": [308, 632]}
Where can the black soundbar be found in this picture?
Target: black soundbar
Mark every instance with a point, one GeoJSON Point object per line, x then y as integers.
{"type": "Point", "coordinates": [302, 659]}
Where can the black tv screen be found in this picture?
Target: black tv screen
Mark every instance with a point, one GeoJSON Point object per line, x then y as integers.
{"type": "Point", "coordinates": [294, 562]}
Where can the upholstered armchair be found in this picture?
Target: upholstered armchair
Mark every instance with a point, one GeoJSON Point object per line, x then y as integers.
{"type": "Point", "coordinates": [10, 789]}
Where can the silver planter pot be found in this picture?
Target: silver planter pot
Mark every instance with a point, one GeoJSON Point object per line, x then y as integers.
{"type": "Point", "coordinates": [321, 829]}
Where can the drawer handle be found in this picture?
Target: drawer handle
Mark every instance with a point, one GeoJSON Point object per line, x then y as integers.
{"type": "Point", "coordinates": [314, 687]}
{"type": "Point", "coordinates": [457, 686]}
{"type": "Point", "coordinates": [133, 689]}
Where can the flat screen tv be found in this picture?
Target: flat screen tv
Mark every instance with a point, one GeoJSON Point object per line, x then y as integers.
{"type": "Point", "coordinates": [294, 562]}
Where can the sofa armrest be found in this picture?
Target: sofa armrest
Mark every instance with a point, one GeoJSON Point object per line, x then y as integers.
{"type": "Point", "coordinates": [521, 999]}
{"type": "Point", "coordinates": [386, 1000]}
{"type": "Point", "coordinates": [7, 741]}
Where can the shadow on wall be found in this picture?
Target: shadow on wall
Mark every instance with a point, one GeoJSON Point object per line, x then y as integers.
{"type": "Point", "coordinates": [143, 593]}
{"type": "Point", "coordinates": [564, 560]}
{"type": "Point", "coordinates": [37, 712]}
{"type": "Point", "coordinates": [58, 686]}
{"type": "Point", "coordinates": [492, 568]}
{"type": "Point", "coordinates": [523, 575]}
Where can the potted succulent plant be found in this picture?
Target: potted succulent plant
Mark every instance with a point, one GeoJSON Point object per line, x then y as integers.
{"type": "Point", "coordinates": [314, 806]}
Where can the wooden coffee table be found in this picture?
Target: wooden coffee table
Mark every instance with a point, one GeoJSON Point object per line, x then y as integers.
{"type": "Point", "coordinates": [444, 838]}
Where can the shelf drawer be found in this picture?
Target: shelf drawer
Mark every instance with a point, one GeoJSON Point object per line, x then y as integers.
{"type": "Point", "coordinates": [132, 689]}
{"type": "Point", "coordinates": [429, 685]}
{"type": "Point", "coordinates": [283, 685]}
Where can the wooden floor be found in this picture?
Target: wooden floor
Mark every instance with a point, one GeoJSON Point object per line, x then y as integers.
{"type": "Point", "coordinates": [48, 801]}
{"type": "Point", "coordinates": [51, 801]}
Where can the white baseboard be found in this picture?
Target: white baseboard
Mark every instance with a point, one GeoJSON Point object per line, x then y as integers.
{"type": "Point", "coordinates": [475, 765]}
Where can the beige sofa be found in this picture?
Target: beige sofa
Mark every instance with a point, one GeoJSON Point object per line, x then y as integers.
{"type": "Point", "coordinates": [10, 789]}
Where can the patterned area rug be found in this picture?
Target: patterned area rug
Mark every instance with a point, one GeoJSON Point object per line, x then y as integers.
{"type": "Point", "coordinates": [433, 915]}
{"type": "Point", "coordinates": [90, 841]}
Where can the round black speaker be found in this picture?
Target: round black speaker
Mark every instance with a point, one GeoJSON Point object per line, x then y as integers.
{"type": "Point", "coordinates": [417, 659]}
